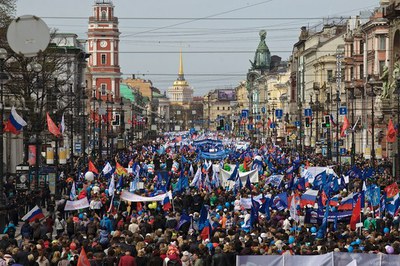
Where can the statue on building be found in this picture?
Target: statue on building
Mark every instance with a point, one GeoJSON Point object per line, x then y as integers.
{"type": "Point", "coordinates": [262, 58]}
{"type": "Point", "coordinates": [385, 83]}
{"type": "Point", "coordinates": [395, 76]}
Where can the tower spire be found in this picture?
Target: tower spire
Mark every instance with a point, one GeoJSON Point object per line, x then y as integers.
{"type": "Point", "coordinates": [180, 73]}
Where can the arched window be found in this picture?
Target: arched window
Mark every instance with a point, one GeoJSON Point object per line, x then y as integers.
{"type": "Point", "coordinates": [103, 15]}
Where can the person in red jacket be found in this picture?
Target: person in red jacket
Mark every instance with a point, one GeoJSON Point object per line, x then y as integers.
{"type": "Point", "coordinates": [127, 260]}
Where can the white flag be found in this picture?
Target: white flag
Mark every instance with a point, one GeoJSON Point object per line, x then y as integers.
{"type": "Point", "coordinates": [72, 195]}
{"type": "Point", "coordinates": [293, 209]}
{"type": "Point", "coordinates": [107, 168]}
{"type": "Point", "coordinates": [111, 187]}
{"type": "Point", "coordinates": [62, 125]}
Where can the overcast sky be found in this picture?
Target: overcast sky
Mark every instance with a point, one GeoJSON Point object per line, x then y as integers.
{"type": "Point", "coordinates": [217, 37]}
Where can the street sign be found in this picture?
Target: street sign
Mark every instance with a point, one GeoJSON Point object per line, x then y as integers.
{"type": "Point", "coordinates": [343, 110]}
{"type": "Point", "coordinates": [273, 125]}
{"type": "Point", "coordinates": [279, 113]}
{"type": "Point", "coordinates": [263, 110]}
{"type": "Point", "coordinates": [258, 117]}
{"type": "Point", "coordinates": [245, 113]}
{"type": "Point", "coordinates": [297, 123]}
{"type": "Point", "coordinates": [78, 147]}
{"type": "Point", "coordinates": [250, 126]}
{"type": "Point", "coordinates": [343, 151]}
{"type": "Point", "coordinates": [307, 112]}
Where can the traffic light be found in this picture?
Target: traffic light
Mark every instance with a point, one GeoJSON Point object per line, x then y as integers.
{"type": "Point", "coordinates": [307, 121]}
{"type": "Point", "coordinates": [116, 120]}
{"type": "Point", "coordinates": [327, 121]}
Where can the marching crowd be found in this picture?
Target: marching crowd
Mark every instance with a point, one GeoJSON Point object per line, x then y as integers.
{"type": "Point", "coordinates": [209, 220]}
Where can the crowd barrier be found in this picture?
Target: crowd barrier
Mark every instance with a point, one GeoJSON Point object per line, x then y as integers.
{"type": "Point", "coordinates": [330, 259]}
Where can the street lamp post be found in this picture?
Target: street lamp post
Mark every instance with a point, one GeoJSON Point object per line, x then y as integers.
{"type": "Point", "coordinates": [100, 125]}
{"type": "Point", "coordinates": [311, 103]}
{"type": "Point", "coordinates": [328, 129]}
{"type": "Point", "coordinates": [398, 123]}
{"type": "Point", "coordinates": [94, 99]}
{"type": "Point", "coordinates": [372, 94]}
{"type": "Point", "coordinates": [300, 109]}
{"type": "Point", "coordinates": [338, 100]}
{"type": "Point", "coordinates": [3, 80]}
{"type": "Point", "coordinates": [353, 142]}
{"type": "Point", "coordinates": [72, 127]}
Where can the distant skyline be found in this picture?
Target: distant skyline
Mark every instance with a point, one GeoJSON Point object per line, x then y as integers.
{"type": "Point", "coordinates": [217, 38]}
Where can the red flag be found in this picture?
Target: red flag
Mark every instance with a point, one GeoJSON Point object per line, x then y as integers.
{"type": "Point", "coordinates": [355, 216]}
{"type": "Point", "coordinates": [83, 259]}
{"type": "Point", "coordinates": [269, 122]}
{"type": "Point", "coordinates": [206, 232]}
{"type": "Point", "coordinates": [92, 168]}
{"type": "Point", "coordinates": [52, 127]}
{"type": "Point", "coordinates": [324, 198]}
{"type": "Point", "coordinates": [391, 190]}
{"type": "Point", "coordinates": [346, 125]}
{"type": "Point", "coordinates": [391, 132]}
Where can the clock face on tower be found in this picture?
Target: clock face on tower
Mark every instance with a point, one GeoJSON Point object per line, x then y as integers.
{"type": "Point", "coordinates": [103, 44]}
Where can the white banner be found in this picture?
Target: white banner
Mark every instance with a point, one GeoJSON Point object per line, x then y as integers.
{"type": "Point", "coordinates": [253, 176]}
{"type": "Point", "coordinates": [329, 259]}
{"type": "Point", "coordinates": [76, 204]}
{"type": "Point", "coordinates": [125, 195]}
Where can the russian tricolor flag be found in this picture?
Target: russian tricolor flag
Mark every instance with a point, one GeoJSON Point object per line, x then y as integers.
{"type": "Point", "coordinates": [32, 215]}
{"type": "Point", "coordinates": [167, 202]}
{"type": "Point", "coordinates": [15, 122]}
{"type": "Point", "coordinates": [308, 198]}
{"type": "Point", "coordinates": [346, 203]}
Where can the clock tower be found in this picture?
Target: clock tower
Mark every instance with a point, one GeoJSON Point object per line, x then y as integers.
{"type": "Point", "coordinates": [103, 45]}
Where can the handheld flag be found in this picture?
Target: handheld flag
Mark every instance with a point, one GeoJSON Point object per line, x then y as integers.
{"type": "Point", "coordinates": [72, 194]}
{"type": "Point", "coordinates": [83, 259]}
{"type": "Point", "coordinates": [346, 125]}
{"type": "Point", "coordinates": [32, 215]}
{"type": "Point", "coordinates": [53, 129]}
{"type": "Point", "coordinates": [107, 168]}
{"type": "Point", "coordinates": [120, 170]}
{"type": "Point", "coordinates": [391, 132]}
{"type": "Point", "coordinates": [355, 216]}
{"type": "Point", "coordinates": [62, 125]}
{"type": "Point", "coordinates": [111, 187]}
{"type": "Point", "coordinates": [92, 168]}
{"type": "Point", "coordinates": [15, 122]}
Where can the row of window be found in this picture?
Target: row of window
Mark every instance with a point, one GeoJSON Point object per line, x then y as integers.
{"type": "Point", "coordinates": [223, 108]}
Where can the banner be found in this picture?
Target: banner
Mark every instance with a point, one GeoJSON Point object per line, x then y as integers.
{"type": "Point", "coordinates": [330, 259]}
{"type": "Point", "coordinates": [76, 204]}
{"type": "Point", "coordinates": [62, 155]}
{"type": "Point", "coordinates": [253, 176]}
{"type": "Point", "coordinates": [31, 155]}
{"type": "Point", "coordinates": [125, 195]}
{"type": "Point", "coordinates": [49, 155]}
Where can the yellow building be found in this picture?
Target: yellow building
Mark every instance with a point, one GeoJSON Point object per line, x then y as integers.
{"type": "Point", "coordinates": [180, 93]}
{"type": "Point", "coordinates": [145, 87]}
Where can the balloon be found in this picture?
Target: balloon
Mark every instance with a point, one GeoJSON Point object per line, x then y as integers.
{"type": "Point", "coordinates": [219, 207]}
{"type": "Point", "coordinates": [227, 204]}
{"type": "Point", "coordinates": [218, 216]}
{"type": "Point", "coordinates": [358, 241]}
{"type": "Point", "coordinates": [210, 245]}
{"type": "Point", "coordinates": [80, 216]}
{"type": "Point", "coordinates": [72, 246]}
{"type": "Point", "coordinates": [389, 249]}
{"type": "Point", "coordinates": [350, 249]}
{"type": "Point", "coordinates": [386, 230]}
{"type": "Point", "coordinates": [153, 205]}
{"type": "Point", "coordinates": [313, 229]}
{"type": "Point", "coordinates": [291, 239]}
{"type": "Point", "coordinates": [89, 176]}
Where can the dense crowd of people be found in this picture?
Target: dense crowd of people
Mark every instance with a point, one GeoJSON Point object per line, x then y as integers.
{"type": "Point", "coordinates": [207, 221]}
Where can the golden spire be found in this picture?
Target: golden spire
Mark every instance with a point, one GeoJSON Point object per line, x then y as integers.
{"type": "Point", "coordinates": [180, 73]}
{"type": "Point", "coordinates": [180, 81]}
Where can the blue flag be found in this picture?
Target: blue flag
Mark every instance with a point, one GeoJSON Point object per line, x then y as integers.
{"type": "Point", "coordinates": [322, 229]}
{"type": "Point", "coordinates": [184, 219]}
{"type": "Point", "coordinates": [203, 217]}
